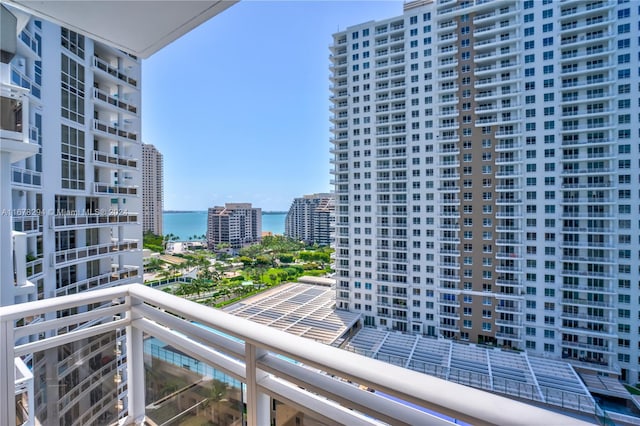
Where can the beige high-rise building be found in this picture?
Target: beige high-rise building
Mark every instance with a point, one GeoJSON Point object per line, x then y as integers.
{"type": "Point", "coordinates": [310, 219]}
{"type": "Point", "coordinates": [483, 163]}
{"type": "Point", "coordinates": [237, 224]}
{"type": "Point", "coordinates": [152, 189]}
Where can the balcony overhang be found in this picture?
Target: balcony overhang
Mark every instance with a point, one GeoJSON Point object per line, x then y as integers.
{"type": "Point", "coordinates": [138, 27]}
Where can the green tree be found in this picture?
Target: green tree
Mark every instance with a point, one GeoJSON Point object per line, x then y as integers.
{"type": "Point", "coordinates": [217, 396]}
{"type": "Point", "coordinates": [246, 261]}
{"type": "Point", "coordinates": [154, 264]}
{"type": "Point", "coordinates": [200, 286]}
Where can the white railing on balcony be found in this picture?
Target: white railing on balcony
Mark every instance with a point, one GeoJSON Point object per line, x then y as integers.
{"type": "Point", "coordinates": [93, 251]}
{"type": "Point", "coordinates": [312, 377]}
{"type": "Point", "coordinates": [92, 219]}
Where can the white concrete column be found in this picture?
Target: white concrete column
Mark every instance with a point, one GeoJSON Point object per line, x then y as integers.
{"type": "Point", "coordinates": [6, 242]}
{"type": "Point", "coordinates": [258, 410]}
{"type": "Point", "coordinates": [31, 400]}
{"type": "Point", "coordinates": [135, 371]}
{"type": "Point", "coordinates": [7, 375]}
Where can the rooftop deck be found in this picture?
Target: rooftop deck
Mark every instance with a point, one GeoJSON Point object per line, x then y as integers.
{"type": "Point", "coordinates": [511, 373]}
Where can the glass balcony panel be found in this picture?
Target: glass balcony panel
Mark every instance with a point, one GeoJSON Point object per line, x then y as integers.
{"type": "Point", "coordinates": [183, 390]}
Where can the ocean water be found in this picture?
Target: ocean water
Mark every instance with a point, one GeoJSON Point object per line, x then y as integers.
{"type": "Point", "coordinates": [188, 224]}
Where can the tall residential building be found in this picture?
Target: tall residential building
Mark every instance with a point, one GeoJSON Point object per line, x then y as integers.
{"type": "Point", "coordinates": [152, 189]}
{"type": "Point", "coordinates": [483, 164]}
{"type": "Point", "coordinates": [70, 197]}
{"type": "Point", "coordinates": [237, 224]}
{"type": "Point", "coordinates": [310, 219]}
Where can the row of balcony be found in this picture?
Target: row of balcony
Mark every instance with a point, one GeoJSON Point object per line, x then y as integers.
{"type": "Point", "coordinates": [93, 251]}
{"type": "Point", "coordinates": [114, 71]}
{"type": "Point", "coordinates": [92, 219]}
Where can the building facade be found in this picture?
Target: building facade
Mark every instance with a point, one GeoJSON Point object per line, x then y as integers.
{"type": "Point", "coordinates": [152, 189]}
{"type": "Point", "coordinates": [310, 219]}
{"type": "Point", "coordinates": [483, 165]}
{"type": "Point", "coordinates": [73, 201]}
{"type": "Point", "coordinates": [236, 224]}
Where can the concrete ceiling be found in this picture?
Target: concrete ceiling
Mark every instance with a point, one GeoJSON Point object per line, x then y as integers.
{"type": "Point", "coordinates": [138, 27]}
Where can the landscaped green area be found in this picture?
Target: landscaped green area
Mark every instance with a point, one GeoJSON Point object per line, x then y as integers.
{"type": "Point", "coordinates": [218, 278]}
{"type": "Point", "coordinates": [153, 242]}
{"type": "Point", "coordinates": [632, 390]}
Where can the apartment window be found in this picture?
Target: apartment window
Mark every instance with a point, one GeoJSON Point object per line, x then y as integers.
{"type": "Point", "coordinates": [72, 82]}
{"type": "Point", "coordinates": [73, 42]}
{"type": "Point", "coordinates": [73, 158]}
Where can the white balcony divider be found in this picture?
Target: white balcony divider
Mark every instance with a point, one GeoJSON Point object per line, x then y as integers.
{"type": "Point", "coordinates": [262, 361]}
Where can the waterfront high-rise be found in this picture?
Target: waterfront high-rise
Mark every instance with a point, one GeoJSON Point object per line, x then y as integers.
{"type": "Point", "coordinates": [236, 224]}
{"type": "Point", "coordinates": [483, 165]}
{"type": "Point", "coordinates": [152, 189]}
{"type": "Point", "coordinates": [310, 219]}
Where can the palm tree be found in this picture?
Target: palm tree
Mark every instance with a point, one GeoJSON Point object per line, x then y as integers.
{"type": "Point", "coordinates": [154, 264]}
{"type": "Point", "coordinates": [183, 289]}
{"type": "Point", "coordinates": [199, 286]}
{"type": "Point", "coordinates": [164, 274]}
{"type": "Point", "coordinates": [174, 269]}
{"type": "Point", "coordinates": [223, 290]}
{"type": "Point", "coordinates": [217, 395]}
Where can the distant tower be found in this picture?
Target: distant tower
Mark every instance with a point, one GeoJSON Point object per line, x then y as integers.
{"type": "Point", "coordinates": [311, 218]}
{"type": "Point", "coordinates": [237, 224]}
{"type": "Point", "coordinates": [152, 189]}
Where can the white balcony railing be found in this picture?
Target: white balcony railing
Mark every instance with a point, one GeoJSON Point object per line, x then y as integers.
{"type": "Point", "coordinates": [312, 377]}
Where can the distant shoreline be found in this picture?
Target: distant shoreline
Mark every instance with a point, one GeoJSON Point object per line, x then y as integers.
{"type": "Point", "coordinates": [204, 211]}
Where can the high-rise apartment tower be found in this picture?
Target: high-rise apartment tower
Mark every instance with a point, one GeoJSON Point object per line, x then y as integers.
{"type": "Point", "coordinates": [484, 159]}
{"type": "Point", "coordinates": [310, 219]}
{"type": "Point", "coordinates": [152, 189]}
{"type": "Point", "coordinates": [70, 133]}
{"type": "Point", "coordinates": [236, 224]}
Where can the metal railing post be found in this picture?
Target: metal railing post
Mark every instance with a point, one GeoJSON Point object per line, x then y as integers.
{"type": "Point", "coordinates": [258, 412]}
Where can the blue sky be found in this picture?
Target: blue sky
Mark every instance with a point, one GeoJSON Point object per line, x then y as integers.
{"type": "Point", "coordinates": [240, 106]}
